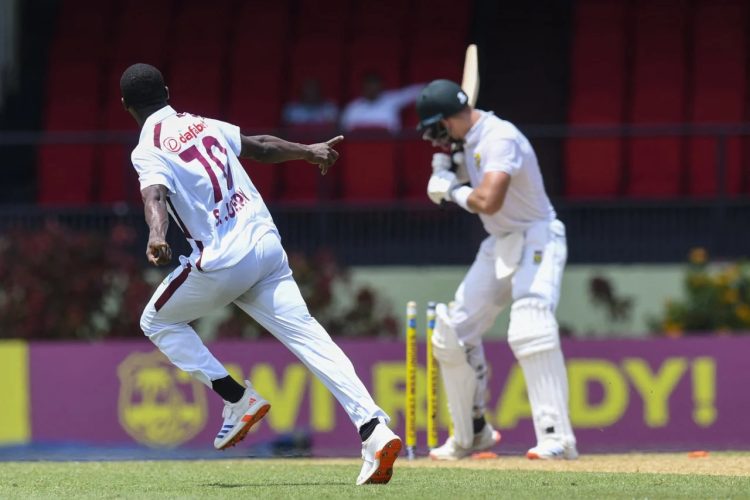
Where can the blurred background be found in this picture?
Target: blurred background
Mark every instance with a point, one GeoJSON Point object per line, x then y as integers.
{"type": "Point", "coordinates": [637, 109]}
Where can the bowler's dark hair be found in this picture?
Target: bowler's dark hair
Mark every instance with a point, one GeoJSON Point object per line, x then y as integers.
{"type": "Point", "coordinates": [143, 85]}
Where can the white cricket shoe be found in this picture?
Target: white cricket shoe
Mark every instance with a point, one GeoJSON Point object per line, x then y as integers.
{"type": "Point", "coordinates": [240, 417]}
{"type": "Point", "coordinates": [552, 449]}
{"type": "Point", "coordinates": [379, 452]}
{"type": "Point", "coordinates": [450, 450]}
{"type": "Point", "coordinates": [484, 440]}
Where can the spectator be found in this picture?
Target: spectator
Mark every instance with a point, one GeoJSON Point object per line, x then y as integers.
{"type": "Point", "coordinates": [377, 108]}
{"type": "Point", "coordinates": [311, 109]}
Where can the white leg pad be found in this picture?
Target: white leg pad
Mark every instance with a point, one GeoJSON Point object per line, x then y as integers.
{"type": "Point", "coordinates": [547, 386]}
{"type": "Point", "coordinates": [533, 327]}
{"type": "Point", "coordinates": [459, 378]}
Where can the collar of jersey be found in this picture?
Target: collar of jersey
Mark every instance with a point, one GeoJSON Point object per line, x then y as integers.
{"type": "Point", "coordinates": [156, 117]}
{"type": "Point", "coordinates": [473, 135]}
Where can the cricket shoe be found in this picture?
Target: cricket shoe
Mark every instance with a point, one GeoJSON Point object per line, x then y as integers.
{"type": "Point", "coordinates": [240, 417]}
{"type": "Point", "coordinates": [379, 452]}
{"type": "Point", "coordinates": [552, 449]}
{"type": "Point", "coordinates": [483, 441]}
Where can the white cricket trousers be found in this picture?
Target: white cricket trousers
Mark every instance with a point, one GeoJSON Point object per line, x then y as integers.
{"type": "Point", "coordinates": [481, 296]}
{"type": "Point", "coordinates": [262, 285]}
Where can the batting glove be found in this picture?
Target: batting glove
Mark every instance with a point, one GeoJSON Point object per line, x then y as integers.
{"type": "Point", "coordinates": [441, 162]}
{"type": "Point", "coordinates": [440, 186]}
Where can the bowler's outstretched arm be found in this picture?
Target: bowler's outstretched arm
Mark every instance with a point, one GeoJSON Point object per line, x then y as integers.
{"type": "Point", "coordinates": [270, 149]}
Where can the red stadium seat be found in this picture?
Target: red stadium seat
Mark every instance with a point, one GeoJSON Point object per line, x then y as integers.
{"type": "Point", "coordinates": [384, 18]}
{"type": "Point", "coordinates": [321, 59]}
{"type": "Point", "coordinates": [265, 20]}
{"type": "Point", "coordinates": [315, 18]}
{"type": "Point", "coordinates": [65, 174]}
{"type": "Point", "coordinates": [255, 97]}
{"type": "Point", "coordinates": [442, 19]}
{"type": "Point", "coordinates": [658, 96]}
{"type": "Point", "coordinates": [431, 58]}
{"type": "Point", "coordinates": [200, 29]}
{"type": "Point", "coordinates": [117, 180]}
{"type": "Point", "coordinates": [72, 102]}
{"type": "Point", "coordinates": [369, 170]}
{"type": "Point", "coordinates": [196, 86]}
{"type": "Point", "coordinates": [263, 177]}
{"type": "Point", "coordinates": [376, 55]}
{"type": "Point", "coordinates": [85, 19]}
{"type": "Point", "coordinates": [415, 169]}
{"type": "Point", "coordinates": [147, 42]}
{"type": "Point", "coordinates": [300, 181]}
{"type": "Point", "coordinates": [718, 90]}
{"type": "Point", "coordinates": [593, 166]}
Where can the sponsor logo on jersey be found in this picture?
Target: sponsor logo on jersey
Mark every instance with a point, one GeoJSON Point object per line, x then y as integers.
{"type": "Point", "coordinates": [477, 160]}
{"type": "Point", "coordinates": [171, 144]}
{"type": "Point", "coordinates": [538, 257]}
{"type": "Point", "coordinates": [159, 405]}
{"type": "Point", "coordinates": [193, 131]}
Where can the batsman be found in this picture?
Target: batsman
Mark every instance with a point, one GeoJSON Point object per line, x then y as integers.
{"type": "Point", "coordinates": [520, 264]}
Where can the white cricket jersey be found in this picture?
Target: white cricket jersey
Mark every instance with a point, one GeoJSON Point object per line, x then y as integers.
{"type": "Point", "coordinates": [211, 197]}
{"type": "Point", "coordinates": [495, 145]}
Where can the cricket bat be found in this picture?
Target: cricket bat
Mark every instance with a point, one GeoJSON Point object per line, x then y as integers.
{"type": "Point", "coordinates": [470, 85]}
{"type": "Point", "coordinates": [470, 80]}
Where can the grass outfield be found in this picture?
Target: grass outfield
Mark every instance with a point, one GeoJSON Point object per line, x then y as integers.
{"type": "Point", "coordinates": [719, 475]}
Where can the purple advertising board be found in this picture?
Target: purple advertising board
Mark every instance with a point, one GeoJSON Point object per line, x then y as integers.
{"type": "Point", "coordinates": [625, 395]}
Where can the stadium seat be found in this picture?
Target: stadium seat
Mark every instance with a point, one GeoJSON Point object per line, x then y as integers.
{"type": "Point", "coordinates": [72, 101]}
{"type": "Point", "coordinates": [147, 43]}
{"type": "Point", "coordinates": [376, 55]}
{"type": "Point", "coordinates": [200, 30]}
{"type": "Point", "coordinates": [597, 95]}
{"type": "Point", "coordinates": [719, 85]}
{"type": "Point", "coordinates": [438, 19]}
{"type": "Point", "coordinates": [369, 169]}
{"type": "Point", "coordinates": [384, 18]}
{"type": "Point", "coordinates": [315, 19]}
{"type": "Point", "coordinates": [89, 19]}
{"type": "Point", "coordinates": [65, 174]}
{"type": "Point", "coordinates": [255, 98]}
{"type": "Point", "coordinates": [116, 180]}
{"type": "Point", "coordinates": [415, 169]}
{"type": "Point", "coordinates": [658, 96]}
{"type": "Point", "coordinates": [429, 59]}
{"type": "Point", "coordinates": [301, 182]}
{"type": "Point", "coordinates": [263, 177]}
{"type": "Point", "coordinates": [266, 20]}
{"type": "Point", "coordinates": [196, 86]}
{"type": "Point", "coordinates": [321, 59]}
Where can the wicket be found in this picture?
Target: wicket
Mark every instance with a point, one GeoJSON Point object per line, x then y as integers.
{"type": "Point", "coordinates": [411, 378]}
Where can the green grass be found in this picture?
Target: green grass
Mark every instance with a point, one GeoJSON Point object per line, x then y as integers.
{"type": "Point", "coordinates": [311, 479]}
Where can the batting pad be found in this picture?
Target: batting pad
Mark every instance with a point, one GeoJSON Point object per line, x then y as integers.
{"type": "Point", "coordinates": [459, 378]}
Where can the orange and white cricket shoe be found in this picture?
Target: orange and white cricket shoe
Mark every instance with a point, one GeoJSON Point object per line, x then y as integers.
{"type": "Point", "coordinates": [240, 417]}
{"type": "Point", "coordinates": [552, 449]}
{"type": "Point", "coordinates": [379, 452]}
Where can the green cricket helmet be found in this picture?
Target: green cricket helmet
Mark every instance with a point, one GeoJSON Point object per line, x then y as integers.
{"type": "Point", "coordinates": [439, 99]}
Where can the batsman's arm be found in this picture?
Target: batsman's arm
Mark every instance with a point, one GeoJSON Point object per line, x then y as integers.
{"type": "Point", "coordinates": [270, 149]}
{"type": "Point", "coordinates": [488, 197]}
{"type": "Point", "coordinates": [155, 209]}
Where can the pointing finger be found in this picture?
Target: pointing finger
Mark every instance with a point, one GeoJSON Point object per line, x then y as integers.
{"type": "Point", "coordinates": [335, 140]}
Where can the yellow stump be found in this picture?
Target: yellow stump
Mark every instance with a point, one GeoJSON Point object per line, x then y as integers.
{"type": "Point", "coordinates": [411, 378]}
{"type": "Point", "coordinates": [432, 381]}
